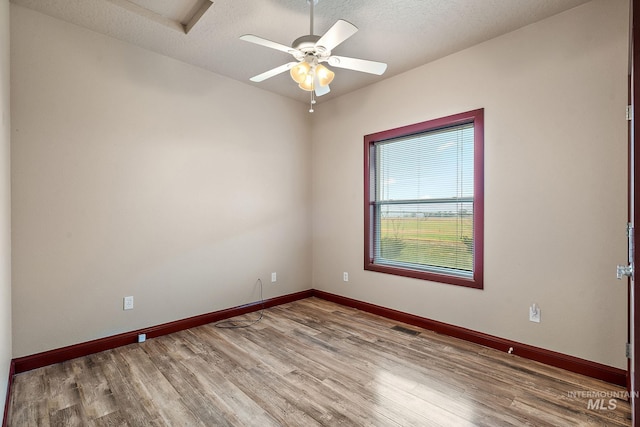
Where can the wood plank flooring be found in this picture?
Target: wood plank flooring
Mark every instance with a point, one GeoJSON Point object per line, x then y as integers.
{"type": "Point", "coordinates": [310, 363]}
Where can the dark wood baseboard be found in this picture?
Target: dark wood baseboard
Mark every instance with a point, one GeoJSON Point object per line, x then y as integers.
{"type": "Point", "coordinates": [552, 358]}
{"type": "Point", "coordinates": [27, 363]}
{"type": "Point", "coordinates": [570, 363]}
{"type": "Point", "coordinates": [12, 371]}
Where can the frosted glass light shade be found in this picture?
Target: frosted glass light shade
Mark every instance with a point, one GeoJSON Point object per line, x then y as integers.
{"type": "Point", "coordinates": [325, 75]}
{"type": "Point", "coordinates": [307, 83]}
{"type": "Point", "coordinates": [300, 71]}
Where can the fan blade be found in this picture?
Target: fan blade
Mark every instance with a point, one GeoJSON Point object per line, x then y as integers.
{"type": "Point", "coordinates": [363, 65]}
{"type": "Point", "coordinates": [273, 72]}
{"type": "Point", "coordinates": [340, 31]}
{"type": "Point", "coordinates": [267, 43]}
{"type": "Point", "coordinates": [318, 89]}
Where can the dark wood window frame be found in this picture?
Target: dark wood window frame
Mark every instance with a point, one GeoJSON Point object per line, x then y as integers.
{"type": "Point", "coordinates": [477, 118]}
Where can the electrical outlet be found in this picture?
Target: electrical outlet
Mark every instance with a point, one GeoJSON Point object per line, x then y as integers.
{"type": "Point", "coordinates": [534, 313]}
{"type": "Point", "coordinates": [128, 303]}
{"type": "Point", "coordinates": [273, 277]}
{"type": "Point", "coordinates": [345, 276]}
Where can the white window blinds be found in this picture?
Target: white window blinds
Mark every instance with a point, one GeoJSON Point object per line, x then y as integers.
{"type": "Point", "coordinates": [424, 200]}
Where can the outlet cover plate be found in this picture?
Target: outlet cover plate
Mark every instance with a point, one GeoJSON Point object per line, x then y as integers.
{"type": "Point", "coordinates": [534, 314]}
{"type": "Point", "coordinates": [128, 303]}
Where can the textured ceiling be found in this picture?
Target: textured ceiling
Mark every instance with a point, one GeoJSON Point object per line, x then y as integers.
{"type": "Point", "coordinates": [402, 33]}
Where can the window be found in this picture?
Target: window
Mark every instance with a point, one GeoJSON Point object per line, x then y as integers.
{"type": "Point", "coordinates": [424, 200]}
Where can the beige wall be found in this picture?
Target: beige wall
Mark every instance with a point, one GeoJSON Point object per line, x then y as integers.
{"type": "Point", "coordinates": [554, 95]}
{"type": "Point", "coordinates": [5, 204]}
{"type": "Point", "coordinates": [135, 174]}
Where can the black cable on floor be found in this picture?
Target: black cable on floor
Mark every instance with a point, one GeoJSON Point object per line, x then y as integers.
{"type": "Point", "coordinates": [235, 324]}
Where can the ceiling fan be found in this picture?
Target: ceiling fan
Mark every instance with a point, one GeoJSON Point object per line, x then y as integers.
{"type": "Point", "coordinates": [310, 52]}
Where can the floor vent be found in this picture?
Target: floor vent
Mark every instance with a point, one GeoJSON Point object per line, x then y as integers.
{"type": "Point", "coordinates": [405, 330]}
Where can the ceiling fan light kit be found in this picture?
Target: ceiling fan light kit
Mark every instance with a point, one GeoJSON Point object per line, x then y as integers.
{"type": "Point", "coordinates": [310, 51]}
{"type": "Point", "coordinates": [305, 73]}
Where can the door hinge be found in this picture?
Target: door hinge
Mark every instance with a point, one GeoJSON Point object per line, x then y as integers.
{"type": "Point", "coordinates": [629, 112]}
{"type": "Point", "coordinates": [630, 243]}
{"type": "Point", "coordinates": [627, 350]}
{"type": "Point", "coordinates": [627, 270]}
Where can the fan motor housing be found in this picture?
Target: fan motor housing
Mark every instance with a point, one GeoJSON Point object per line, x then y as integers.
{"type": "Point", "coordinates": [305, 43]}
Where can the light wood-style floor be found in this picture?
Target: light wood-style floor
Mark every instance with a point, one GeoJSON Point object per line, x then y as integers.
{"type": "Point", "coordinates": [309, 363]}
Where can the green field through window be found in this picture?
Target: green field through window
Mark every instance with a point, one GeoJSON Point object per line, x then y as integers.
{"type": "Point", "coordinates": [444, 242]}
